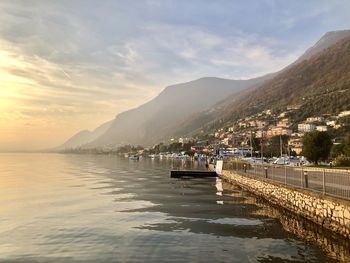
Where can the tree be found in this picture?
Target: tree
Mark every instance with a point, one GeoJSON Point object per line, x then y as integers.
{"type": "Point", "coordinates": [274, 145]}
{"type": "Point", "coordinates": [256, 144]}
{"type": "Point", "coordinates": [337, 150]}
{"type": "Point", "coordinates": [346, 147]}
{"type": "Point", "coordinates": [316, 146]}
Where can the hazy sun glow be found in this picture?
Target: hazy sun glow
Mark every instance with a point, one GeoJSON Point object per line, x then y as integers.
{"type": "Point", "coordinates": [72, 65]}
{"type": "Point", "coordinates": [33, 114]}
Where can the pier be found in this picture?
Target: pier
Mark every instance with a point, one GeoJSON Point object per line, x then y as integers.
{"type": "Point", "coordinates": [191, 173]}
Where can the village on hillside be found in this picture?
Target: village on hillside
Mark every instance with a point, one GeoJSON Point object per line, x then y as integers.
{"type": "Point", "coordinates": [263, 137]}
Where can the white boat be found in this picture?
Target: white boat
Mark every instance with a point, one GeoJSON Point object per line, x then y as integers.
{"type": "Point", "coordinates": [284, 160]}
{"type": "Point", "coordinates": [154, 156]}
{"type": "Point", "coordinates": [134, 157]}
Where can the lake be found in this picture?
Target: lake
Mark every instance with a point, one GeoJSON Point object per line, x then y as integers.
{"type": "Point", "coordinates": [100, 208]}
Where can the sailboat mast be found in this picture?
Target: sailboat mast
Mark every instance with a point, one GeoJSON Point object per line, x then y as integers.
{"type": "Point", "coordinates": [261, 145]}
{"type": "Point", "coordinates": [281, 146]}
{"type": "Point", "coordinates": [251, 145]}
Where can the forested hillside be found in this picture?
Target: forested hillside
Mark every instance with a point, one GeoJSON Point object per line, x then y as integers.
{"type": "Point", "coordinates": [321, 85]}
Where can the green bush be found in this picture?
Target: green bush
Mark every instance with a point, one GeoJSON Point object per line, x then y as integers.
{"type": "Point", "coordinates": [342, 161]}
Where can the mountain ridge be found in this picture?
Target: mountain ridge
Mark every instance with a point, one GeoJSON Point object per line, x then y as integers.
{"type": "Point", "coordinates": [153, 127]}
{"type": "Point", "coordinates": [320, 85]}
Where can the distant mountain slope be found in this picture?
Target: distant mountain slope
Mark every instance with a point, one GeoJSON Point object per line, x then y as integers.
{"type": "Point", "coordinates": [157, 119]}
{"type": "Point", "coordinates": [328, 40]}
{"type": "Point", "coordinates": [222, 112]}
{"type": "Point", "coordinates": [187, 108]}
{"type": "Point", "coordinates": [320, 84]}
{"type": "Point", "coordinates": [84, 137]}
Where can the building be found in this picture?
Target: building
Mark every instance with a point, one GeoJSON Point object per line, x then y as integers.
{"type": "Point", "coordinates": [321, 128]}
{"type": "Point", "coordinates": [226, 141]}
{"type": "Point", "coordinates": [331, 123]}
{"type": "Point", "coordinates": [315, 119]}
{"type": "Point", "coordinates": [277, 130]}
{"type": "Point", "coordinates": [294, 107]}
{"type": "Point", "coordinates": [242, 124]}
{"type": "Point", "coordinates": [344, 113]}
{"type": "Point", "coordinates": [306, 127]}
{"type": "Point", "coordinates": [267, 112]}
{"type": "Point", "coordinates": [283, 123]}
{"type": "Point", "coordinates": [282, 115]}
{"type": "Point", "coordinates": [295, 144]}
{"type": "Point", "coordinates": [197, 148]}
{"type": "Point", "coordinates": [259, 134]}
{"type": "Point", "coordinates": [258, 124]}
{"type": "Point", "coordinates": [183, 140]}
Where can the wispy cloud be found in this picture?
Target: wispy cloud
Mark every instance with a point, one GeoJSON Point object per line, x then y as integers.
{"type": "Point", "coordinates": [75, 64]}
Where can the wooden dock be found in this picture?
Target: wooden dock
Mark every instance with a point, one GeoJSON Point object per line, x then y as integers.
{"type": "Point", "coordinates": [195, 173]}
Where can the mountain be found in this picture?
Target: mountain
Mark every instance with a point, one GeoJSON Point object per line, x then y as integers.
{"type": "Point", "coordinates": [224, 111]}
{"type": "Point", "coordinates": [326, 41]}
{"type": "Point", "coordinates": [158, 119]}
{"type": "Point", "coordinates": [83, 137]}
{"type": "Point", "coordinates": [321, 85]}
{"type": "Point", "coordinates": [207, 103]}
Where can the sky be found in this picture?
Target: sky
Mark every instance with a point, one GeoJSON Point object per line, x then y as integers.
{"type": "Point", "coordinates": [71, 65]}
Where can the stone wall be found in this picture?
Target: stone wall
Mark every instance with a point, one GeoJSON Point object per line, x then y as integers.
{"type": "Point", "coordinates": [331, 213]}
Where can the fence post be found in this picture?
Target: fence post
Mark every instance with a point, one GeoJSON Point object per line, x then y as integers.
{"type": "Point", "coordinates": [272, 166]}
{"type": "Point", "coordinates": [265, 171]}
{"type": "Point", "coordinates": [301, 177]}
{"type": "Point", "coordinates": [306, 178]}
{"type": "Point", "coordinates": [324, 181]}
{"type": "Point", "coordinates": [285, 174]}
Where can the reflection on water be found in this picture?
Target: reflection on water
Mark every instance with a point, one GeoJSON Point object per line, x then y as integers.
{"type": "Point", "coordinates": [80, 208]}
{"type": "Point", "coordinates": [331, 243]}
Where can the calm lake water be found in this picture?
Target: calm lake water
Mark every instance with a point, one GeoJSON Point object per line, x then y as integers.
{"type": "Point", "coordinates": [86, 208]}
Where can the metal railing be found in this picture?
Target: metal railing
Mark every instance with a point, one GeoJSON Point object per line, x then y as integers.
{"type": "Point", "coordinates": [330, 182]}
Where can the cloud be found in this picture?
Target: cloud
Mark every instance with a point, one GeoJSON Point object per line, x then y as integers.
{"type": "Point", "coordinates": [75, 64]}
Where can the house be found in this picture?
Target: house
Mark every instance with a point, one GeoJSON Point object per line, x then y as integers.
{"type": "Point", "coordinates": [331, 123]}
{"type": "Point", "coordinates": [277, 130]}
{"type": "Point", "coordinates": [183, 140]}
{"type": "Point", "coordinates": [295, 144]}
{"type": "Point", "coordinates": [259, 134]}
{"type": "Point", "coordinates": [294, 107]}
{"type": "Point", "coordinates": [267, 112]}
{"type": "Point", "coordinates": [258, 124]}
{"type": "Point", "coordinates": [321, 128]}
{"type": "Point", "coordinates": [226, 141]}
{"type": "Point", "coordinates": [283, 123]}
{"type": "Point", "coordinates": [197, 148]}
{"type": "Point", "coordinates": [306, 127]}
{"type": "Point", "coordinates": [282, 115]}
{"type": "Point", "coordinates": [344, 113]}
{"type": "Point", "coordinates": [315, 119]}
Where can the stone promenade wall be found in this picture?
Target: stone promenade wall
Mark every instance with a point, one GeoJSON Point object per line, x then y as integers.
{"type": "Point", "coordinates": [331, 213]}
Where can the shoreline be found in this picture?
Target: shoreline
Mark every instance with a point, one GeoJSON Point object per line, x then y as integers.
{"type": "Point", "coordinates": [329, 212]}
